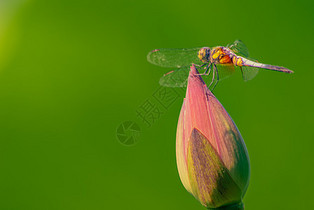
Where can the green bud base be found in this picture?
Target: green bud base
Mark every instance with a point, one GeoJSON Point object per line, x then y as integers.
{"type": "Point", "coordinates": [237, 206]}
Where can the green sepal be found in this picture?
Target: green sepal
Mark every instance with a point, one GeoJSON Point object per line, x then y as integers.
{"type": "Point", "coordinates": [210, 180]}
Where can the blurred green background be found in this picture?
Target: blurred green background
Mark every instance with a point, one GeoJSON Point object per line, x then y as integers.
{"type": "Point", "coordinates": [71, 71]}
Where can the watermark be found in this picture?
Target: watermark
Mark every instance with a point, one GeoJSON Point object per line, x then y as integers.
{"type": "Point", "coordinates": [150, 111]}
{"type": "Point", "coordinates": [128, 133]}
{"type": "Point", "coordinates": [157, 105]}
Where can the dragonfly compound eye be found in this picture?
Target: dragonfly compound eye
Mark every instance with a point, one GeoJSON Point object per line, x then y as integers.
{"type": "Point", "coordinates": [203, 54]}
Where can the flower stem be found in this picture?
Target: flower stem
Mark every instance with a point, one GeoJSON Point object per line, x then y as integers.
{"type": "Point", "coordinates": [237, 206]}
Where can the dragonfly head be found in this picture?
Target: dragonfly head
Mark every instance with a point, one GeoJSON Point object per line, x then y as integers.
{"type": "Point", "coordinates": [204, 54]}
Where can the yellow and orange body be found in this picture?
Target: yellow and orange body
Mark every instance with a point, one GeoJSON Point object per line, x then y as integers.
{"type": "Point", "coordinates": [224, 55]}
{"type": "Point", "coordinates": [218, 55]}
{"type": "Point", "coordinates": [237, 61]}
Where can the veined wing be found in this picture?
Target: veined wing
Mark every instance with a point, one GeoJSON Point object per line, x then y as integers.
{"type": "Point", "coordinates": [248, 72]}
{"type": "Point", "coordinates": [180, 76]}
{"type": "Point", "coordinates": [239, 48]}
{"type": "Point", "coordinates": [174, 57]}
{"type": "Point", "coordinates": [225, 70]}
{"type": "Point", "coordinates": [176, 78]}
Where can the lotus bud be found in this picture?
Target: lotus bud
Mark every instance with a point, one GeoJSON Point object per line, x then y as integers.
{"type": "Point", "coordinates": [212, 159]}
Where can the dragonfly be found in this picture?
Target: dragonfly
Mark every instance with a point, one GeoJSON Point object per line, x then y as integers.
{"type": "Point", "coordinates": [219, 61]}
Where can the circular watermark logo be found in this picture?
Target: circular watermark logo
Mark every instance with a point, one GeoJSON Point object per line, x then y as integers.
{"type": "Point", "coordinates": [128, 133]}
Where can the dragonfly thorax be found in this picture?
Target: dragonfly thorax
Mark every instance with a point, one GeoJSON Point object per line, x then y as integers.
{"type": "Point", "coordinates": [204, 54]}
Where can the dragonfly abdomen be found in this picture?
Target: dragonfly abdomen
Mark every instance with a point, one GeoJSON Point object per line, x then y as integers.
{"type": "Point", "coordinates": [247, 62]}
{"type": "Point", "coordinates": [237, 60]}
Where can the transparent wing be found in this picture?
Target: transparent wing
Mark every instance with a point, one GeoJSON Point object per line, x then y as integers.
{"type": "Point", "coordinates": [239, 48]}
{"type": "Point", "coordinates": [174, 57]}
{"type": "Point", "coordinates": [176, 78]}
{"type": "Point", "coordinates": [179, 77]}
{"type": "Point", "coordinates": [250, 68]}
{"type": "Point", "coordinates": [225, 70]}
{"type": "Point", "coordinates": [248, 72]}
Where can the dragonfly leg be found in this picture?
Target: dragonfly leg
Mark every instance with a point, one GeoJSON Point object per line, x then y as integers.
{"type": "Point", "coordinates": [200, 65]}
{"type": "Point", "coordinates": [217, 77]}
{"type": "Point", "coordinates": [213, 77]}
{"type": "Point", "coordinates": [207, 70]}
